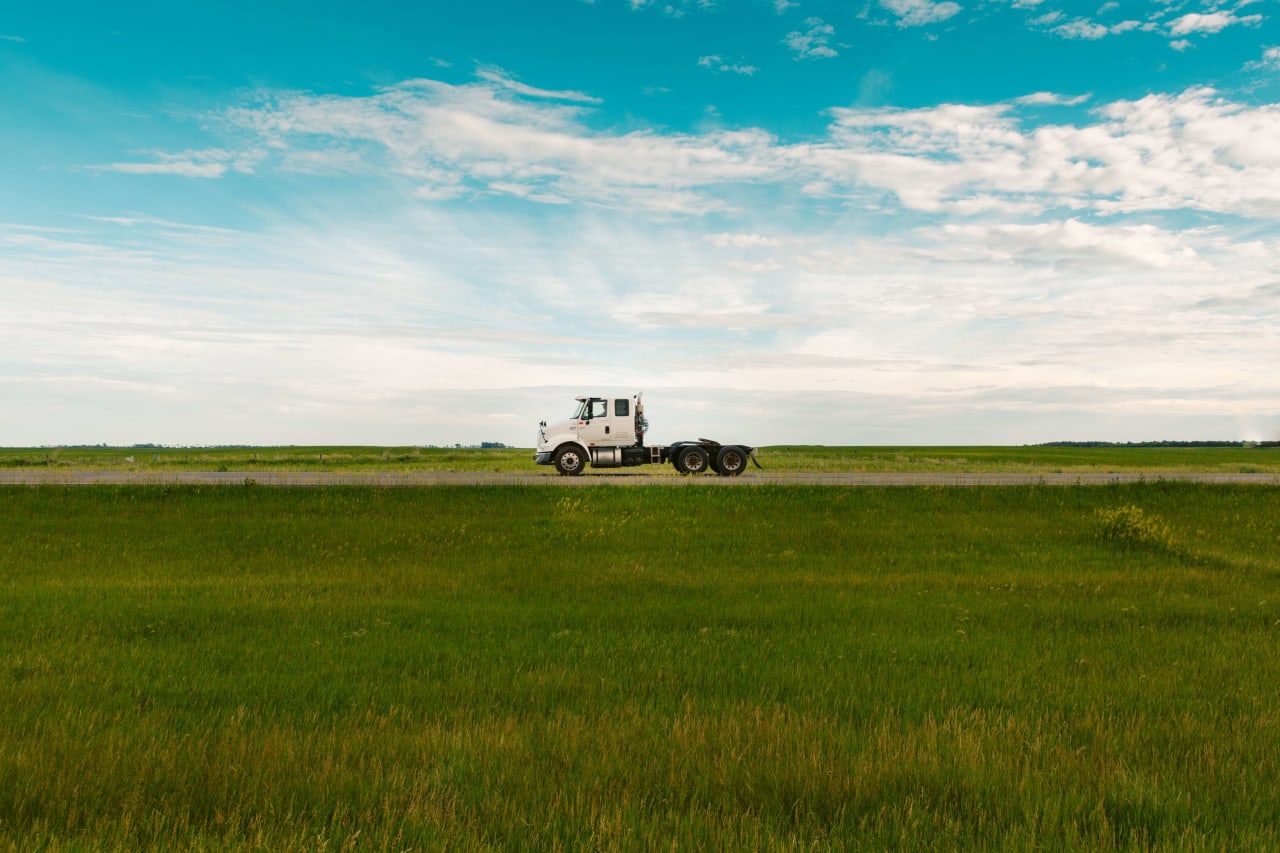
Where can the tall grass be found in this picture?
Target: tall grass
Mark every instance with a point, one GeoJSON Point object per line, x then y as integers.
{"type": "Point", "coordinates": [763, 667]}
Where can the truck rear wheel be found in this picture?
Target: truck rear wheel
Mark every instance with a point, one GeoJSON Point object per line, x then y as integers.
{"type": "Point", "coordinates": [570, 460]}
{"type": "Point", "coordinates": [730, 461]}
{"type": "Point", "coordinates": [693, 460]}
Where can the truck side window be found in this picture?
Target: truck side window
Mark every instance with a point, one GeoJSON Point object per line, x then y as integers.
{"type": "Point", "coordinates": [621, 408]}
{"type": "Point", "coordinates": [599, 408]}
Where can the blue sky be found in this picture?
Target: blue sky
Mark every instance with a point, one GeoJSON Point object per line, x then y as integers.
{"type": "Point", "coordinates": [889, 222]}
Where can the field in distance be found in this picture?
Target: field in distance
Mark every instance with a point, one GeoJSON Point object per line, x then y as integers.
{"type": "Point", "coordinates": [1017, 668]}
{"type": "Point", "coordinates": [780, 459]}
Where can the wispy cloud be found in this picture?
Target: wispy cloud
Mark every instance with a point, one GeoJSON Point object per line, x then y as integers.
{"type": "Point", "coordinates": [506, 81]}
{"type": "Point", "coordinates": [206, 163]}
{"type": "Point", "coordinates": [674, 8]}
{"type": "Point", "coordinates": [1270, 60]}
{"type": "Point", "coordinates": [814, 42]}
{"type": "Point", "coordinates": [1193, 151]}
{"type": "Point", "coordinates": [163, 225]}
{"type": "Point", "coordinates": [744, 241]}
{"type": "Point", "coordinates": [18, 39]}
{"type": "Point", "coordinates": [488, 138]}
{"type": "Point", "coordinates": [1051, 99]}
{"type": "Point", "coordinates": [716, 63]}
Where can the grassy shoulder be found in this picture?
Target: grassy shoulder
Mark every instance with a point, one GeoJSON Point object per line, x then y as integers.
{"type": "Point", "coordinates": [764, 667]}
{"type": "Point", "coordinates": [779, 458]}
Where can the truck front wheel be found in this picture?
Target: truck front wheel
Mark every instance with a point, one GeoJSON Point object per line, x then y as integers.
{"type": "Point", "coordinates": [570, 460]}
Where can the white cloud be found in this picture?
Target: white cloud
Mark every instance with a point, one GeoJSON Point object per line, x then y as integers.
{"type": "Point", "coordinates": [1081, 29]}
{"type": "Point", "coordinates": [917, 13]}
{"type": "Point", "coordinates": [18, 39]}
{"type": "Point", "coordinates": [1191, 151]}
{"type": "Point", "coordinates": [1080, 243]}
{"type": "Point", "coordinates": [813, 43]}
{"type": "Point", "coordinates": [1213, 22]}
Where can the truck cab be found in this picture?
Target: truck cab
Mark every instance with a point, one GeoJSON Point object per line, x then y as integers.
{"type": "Point", "coordinates": [606, 421]}
{"type": "Point", "coordinates": [599, 428]}
{"type": "Point", "coordinates": [608, 432]}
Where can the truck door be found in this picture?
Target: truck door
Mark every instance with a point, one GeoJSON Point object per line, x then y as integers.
{"type": "Point", "coordinates": [594, 424]}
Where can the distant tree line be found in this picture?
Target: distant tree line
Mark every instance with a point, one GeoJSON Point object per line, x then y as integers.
{"type": "Point", "coordinates": [1160, 444]}
{"type": "Point", "coordinates": [484, 445]}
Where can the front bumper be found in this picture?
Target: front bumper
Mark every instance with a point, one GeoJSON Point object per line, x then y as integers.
{"type": "Point", "coordinates": [543, 458]}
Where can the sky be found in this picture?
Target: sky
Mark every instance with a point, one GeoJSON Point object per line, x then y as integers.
{"type": "Point", "coordinates": [896, 222]}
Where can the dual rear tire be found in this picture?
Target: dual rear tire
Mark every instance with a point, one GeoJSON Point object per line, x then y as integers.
{"type": "Point", "coordinates": [693, 460]}
{"type": "Point", "coordinates": [729, 461]}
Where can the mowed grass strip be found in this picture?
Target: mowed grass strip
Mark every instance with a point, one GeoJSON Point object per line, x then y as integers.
{"type": "Point", "coordinates": [763, 667]}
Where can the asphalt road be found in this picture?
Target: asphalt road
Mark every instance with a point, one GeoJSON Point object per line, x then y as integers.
{"type": "Point", "coordinates": [45, 477]}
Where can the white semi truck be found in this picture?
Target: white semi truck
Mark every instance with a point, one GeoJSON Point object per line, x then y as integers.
{"type": "Point", "coordinates": [608, 432]}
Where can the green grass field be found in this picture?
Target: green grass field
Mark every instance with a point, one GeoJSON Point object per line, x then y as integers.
{"type": "Point", "coordinates": [782, 458]}
{"type": "Point", "coordinates": [530, 669]}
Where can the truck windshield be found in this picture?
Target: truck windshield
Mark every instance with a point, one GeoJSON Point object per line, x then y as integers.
{"type": "Point", "coordinates": [592, 408]}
